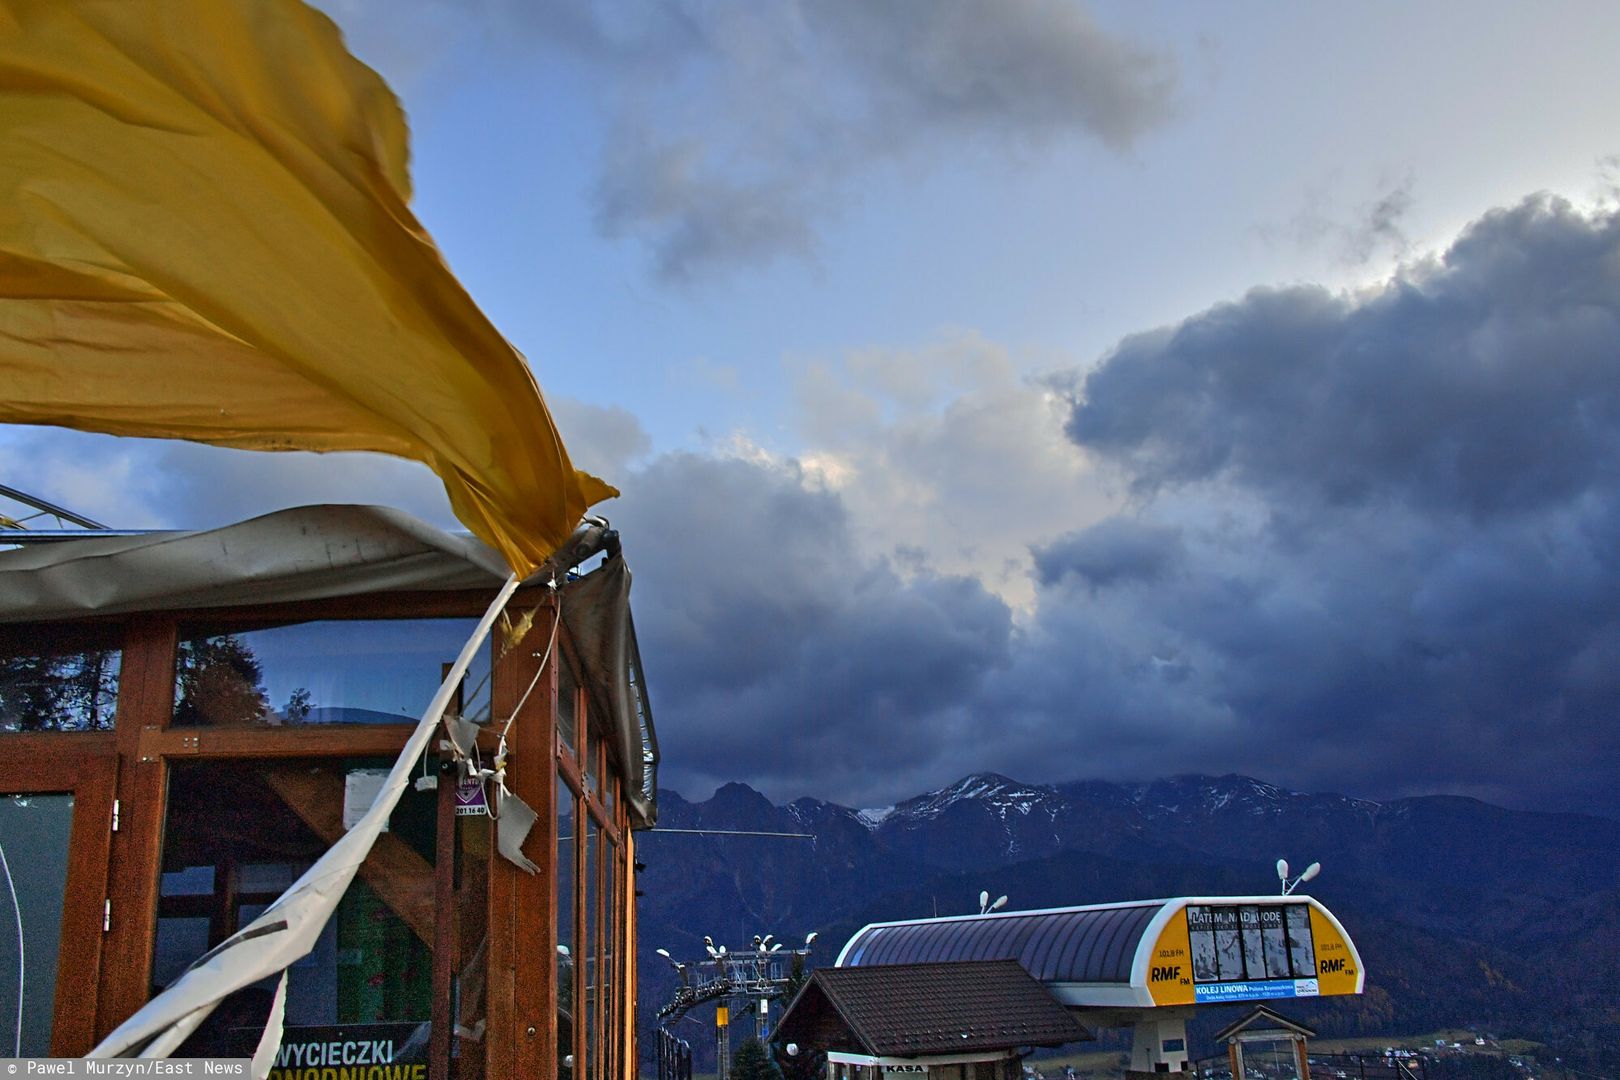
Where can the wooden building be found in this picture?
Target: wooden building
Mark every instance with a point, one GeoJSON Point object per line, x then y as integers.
{"type": "Point", "coordinates": [959, 1020]}
{"type": "Point", "coordinates": [188, 720]}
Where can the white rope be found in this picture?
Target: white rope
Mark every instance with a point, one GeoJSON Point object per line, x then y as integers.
{"type": "Point", "coordinates": [22, 967]}
{"type": "Point", "coordinates": [545, 658]}
{"type": "Point", "coordinates": [472, 764]}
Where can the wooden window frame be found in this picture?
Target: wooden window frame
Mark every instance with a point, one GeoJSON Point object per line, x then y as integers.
{"type": "Point", "coordinates": [120, 871]}
{"type": "Point", "coordinates": [81, 764]}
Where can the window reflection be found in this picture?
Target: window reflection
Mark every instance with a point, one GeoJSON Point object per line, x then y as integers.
{"type": "Point", "coordinates": [471, 915]}
{"type": "Point", "coordinates": [567, 1005]}
{"type": "Point", "coordinates": [567, 706]}
{"type": "Point", "coordinates": [1233, 943]}
{"type": "Point", "coordinates": [590, 948]}
{"type": "Point", "coordinates": [55, 682]}
{"type": "Point", "coordinates": [610, 927]}
{"type": "Point", "coordinates": [236, 835]}
{"type": "Point", "coordinates": [34, 835]}
{"type": "Point", "coordinates": [331, 672]}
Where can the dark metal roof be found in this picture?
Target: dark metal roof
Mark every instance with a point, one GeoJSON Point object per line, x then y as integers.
{"type": "Point", "coordinates": [917, 1010]}
{"type": "Point", "coordinates": [1083, 945]}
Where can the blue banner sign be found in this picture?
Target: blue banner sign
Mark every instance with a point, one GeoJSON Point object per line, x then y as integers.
{"type": "Point", "coordinates": [1255, 991]}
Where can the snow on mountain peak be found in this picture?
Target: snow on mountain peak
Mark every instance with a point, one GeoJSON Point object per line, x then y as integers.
{"type": "Point", "coordinates": [873, 818]}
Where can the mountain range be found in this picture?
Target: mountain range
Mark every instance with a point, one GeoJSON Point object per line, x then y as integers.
{"type": "Point", "coordinates": [1466, 914]}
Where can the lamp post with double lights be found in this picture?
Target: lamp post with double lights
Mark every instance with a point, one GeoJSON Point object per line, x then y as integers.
{"type": "Point", "coordinates": [1282, 875]}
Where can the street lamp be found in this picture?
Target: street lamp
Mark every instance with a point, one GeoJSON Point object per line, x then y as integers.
{"type": "Point", "coordinates": [986, 907]}
{"type": "Point", "coordinates": [1282, 875]}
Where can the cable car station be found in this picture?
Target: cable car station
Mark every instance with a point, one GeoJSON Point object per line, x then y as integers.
{"type": "Point", "coordinates": [1148, 965]}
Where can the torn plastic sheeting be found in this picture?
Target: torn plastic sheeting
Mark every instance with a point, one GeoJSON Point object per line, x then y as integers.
{"type": "Point", "coordinates": [463, 734]}
{"type": "Point", "coordinates": [513, 822]}
{"type": "Point", "coordinates": [290, 556]}
{"type": "Point", "coordinates": [264, 1056]}
{"type": "Point", "coordinates": [262, 947]}
{"type": "Point", "coordinates": [596, 610]}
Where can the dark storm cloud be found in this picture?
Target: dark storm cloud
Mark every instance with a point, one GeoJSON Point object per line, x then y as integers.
{"type": "Point", "coordinates": [1485, 384]}
{"type": "Point", "coordinates": [1110, 552]}
{"type": "Point", "coordinates": [779, 654]}
{"type": "Point", "coordinates": [1398, 514]}
{"type": "Point", "coordinates": [735, 128]}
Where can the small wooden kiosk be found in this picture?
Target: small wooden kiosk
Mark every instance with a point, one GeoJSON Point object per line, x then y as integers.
{"type": "Point", "coordinates": [1264, 1026]}
{"type": "Point", "coordinates": [188, 720]}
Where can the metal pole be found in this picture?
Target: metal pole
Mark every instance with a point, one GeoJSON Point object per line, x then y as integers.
{"type": "Point", "coordinates": [722, 1042]}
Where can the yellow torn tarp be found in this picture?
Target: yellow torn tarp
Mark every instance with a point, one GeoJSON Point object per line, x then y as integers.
{"type": "Point", "coordinates": [205, 235]}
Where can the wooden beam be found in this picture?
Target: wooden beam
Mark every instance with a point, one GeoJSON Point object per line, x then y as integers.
{"type": "Point", "coordinates": [78, 963]}
{"type": "Point", "coordinates": [301, 741]}
{"type": "Point", "coordinates": [446, 960]}
{"type": "Point", "coordinates": [145, 698]}
{"type": "Point", "coordinates": [400, 877]}
{"type": "Point", "coordinates": [532, 776]}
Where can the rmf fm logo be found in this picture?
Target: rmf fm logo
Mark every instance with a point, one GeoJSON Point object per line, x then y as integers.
{"type": "Point", "coordinates": [1167, 974]}
{"type": "Point", "coordinates": [1334, 966]}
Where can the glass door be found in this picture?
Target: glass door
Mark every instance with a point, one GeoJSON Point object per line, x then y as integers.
{"type": "Point", "coordinates": [237, 834]}
{"type": "Point", "coordinates": [53, 874]}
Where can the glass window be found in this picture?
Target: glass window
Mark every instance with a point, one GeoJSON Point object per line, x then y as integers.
{"type": "Point", "coordinates": [361, 671]}
{"type": "Point", "coordinates": [1275, 938]}
{"type": "Point", "coordinates": [567, 940]}
{"type": "Point", "coordinates": [1201, 935]}
{"type": "Point", "coordinates": [1248, 941]}
{"type": "Point", "coordinates": [610, 1011]}
{"type": "Point", "coordinates": [590, 759]}
{"type": "Point", "coordinates": [1254, 962]}
{"type": "Point", "coordinates": [1301, 952]}
{"type": "Point", "coordinates": [589, 948]}
{"type": "Point", "coordinates": [470, 915]}
{"type": "Point", "coordinates": [34, 837]}
{"type": "Point", "coordinates": [180, 940]}
{"type": "Point", "coordinates": [1228, 945]}
{"type": "Point", "coordinates": [567, 706]}
{"type": "Point", "coordinates": [189, 881]}
{"type": "Point", "coordinates": [50, 681]}
{"type": "Point", "coordinates": [247, 830]}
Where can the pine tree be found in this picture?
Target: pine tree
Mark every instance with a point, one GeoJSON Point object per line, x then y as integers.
{"type": "Point", "coordinates": [751, 1062]}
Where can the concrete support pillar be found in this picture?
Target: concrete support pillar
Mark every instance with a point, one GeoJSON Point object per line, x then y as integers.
{"type": "Point", "coordinates": [1159, 1046]}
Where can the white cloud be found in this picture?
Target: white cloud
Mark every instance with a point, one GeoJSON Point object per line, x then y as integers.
{"type": "Point", "coordinates": [734, 130]}
{"type": "Point", "coordinates": [946, 453]}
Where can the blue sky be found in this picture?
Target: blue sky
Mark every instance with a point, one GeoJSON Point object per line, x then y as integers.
{"type": "Point", "coordinates": [1062, 389]}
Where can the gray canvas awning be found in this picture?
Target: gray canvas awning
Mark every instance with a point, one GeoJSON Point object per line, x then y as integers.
{"type": "Point", "coordinates": [307, 553]}
{"type": "Point", "coordinates": [325, 552]}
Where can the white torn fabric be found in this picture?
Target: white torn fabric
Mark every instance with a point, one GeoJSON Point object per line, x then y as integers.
{"type": "Point", "coordinates": [288, 928]}
{"type": "Point", "coordinates": [463, 734]}
{"type": "Point", "coordinates": [513, 820]}
{"type": "Point", "coordinates": [270, 1041]}
{"type": "Point", "coordinates": [167, 1042]}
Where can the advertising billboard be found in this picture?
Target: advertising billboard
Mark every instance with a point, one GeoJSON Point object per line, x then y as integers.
{"type": "Point", "coordinates": [1214, 953]}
